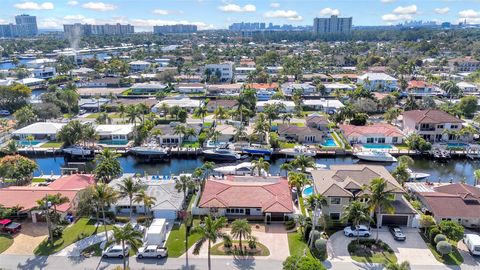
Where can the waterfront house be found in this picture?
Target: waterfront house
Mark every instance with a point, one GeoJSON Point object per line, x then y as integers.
{"type": "Point", "coordinates": [168, 201]}
{"type": "Point", "coordinates": [463, 64]}
{"type": "Point", "coordinates": [167, 135]}
{"type": "Point", "coordinates": [251, 197]}
{"type": "Point", "coordinates": [375, 133]}
{"type": "Point", "coordinates": [39, 131]}
{"type": "Point", "coordinates": [264, 91]}
{"type": "Point", "coordinates": [190, 88]}
{"type": "Point", "coordinates": [241, 73]}
{"type": "Point", "coordinates": [343, 183]}
{"type": "Point", "coordinates": [92, 104]}
{"type": "Point", "coordinates": [44, 73]}
{"type": "Point", "coordinates": [378, 82]}
{"type": "Point", "coordinates": [420, 88]}
{"type": "Point", "coordinates": [183, 78]}
{"type": "Point", "coordinates": [183, 102]}
{"type": "Point", "coordinates": [232, 89]}
{"type": "Point", "coordinates": [102, 82]}
{"type": "Point", "coordinates": [139, 66]}
{"type": "Point", "coordinates": [317, 121]}
{"type": "Point", "coordinates": [467, 87]}
{"type": "Point", "coordinates": [114, 134]}
{"type": "Point", "coordinates": [305, 88]}
{"type": "Point", "coordinates": [300, 134]}
{"type": "Point", "coordinates": [329, 106]}
{"type": "Point", "coordinates": [432, 125]}
{"type": "Point", "coordinates": [223, 71]}
{"type": "Point", "coordinates": [147, 88]}
{"type": "Point", "coordinates": [289, 106]}
{"type": "Point", "coordinates": [27, 196]}
{"type": "Point", "coordinates": [225, 103]}
{"type": "Point", "coordinates": [458, 202]}
{"type": "Point", "coordinates": [332, 87]}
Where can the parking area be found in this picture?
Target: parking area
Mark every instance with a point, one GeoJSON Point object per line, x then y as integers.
{"type": "Point", "coordinates": [413, 249]}
{"type": "Point", "coordinates": [473, 261]}
{"type": "Point", "coordinates": [25, 242]}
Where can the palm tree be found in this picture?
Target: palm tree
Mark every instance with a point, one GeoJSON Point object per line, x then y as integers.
{"type": "Point", "coordinates": [128, 187]}
{"type": "Point", "coordinates": [180, 130]}
{"type": "Point", "coordinates": [239, 133]}
{"type": "Point", "coordinates": [241, 229]}
{"type": "Point", "coordinates": [107, 166]}
{"type": "Point", "coordinates": [260, 165]}
{"type": "Point", "coordinates": [407, 160]}
{"type": "Point", "coordinates": [303, 162]}
{"type": "Point", "coordinates": [209, 231]}
{"type": "Point", "coordinates": [147, 201]}
{"type": "Point", "coordinates": [451, 89]}
{"type": "Point", "coordinates": [122, 111]}
{"type": "Point", "coordinates": [261, 126]}
{"type": "Point", "coordinates": [297, 180]}
{"type": "Point", "coordinates": [164, 108]}
{"type": "Point", "coordinates": [56, 200]}
{"type": "Point", "coordinates": [392, 114]}
{"type": "Point", "coordinates": [184, 184]}
{"type": "Point", "coordinates": [286, 167]}
{"type": "Point", "coordinates": [89, 134]}
{"type": "Point", "coordinates": [127, 235]}
{"type": "Point", "coordinates": [220, 113]}
{"type": "Point", "coordinates": [379, 199]}
{"type": "Point", "coordinates": [405, 265]}
{"type": "Point", "coordinates": [356, 212]}
{"type": "Point", "coordinates": [104, 195]}
{"type": "Point", "coordinates": [132, 114]}
{"type": "Point", "coordinates": [201, 112]}
{"type": "Point", "coordinates": [103, 118]}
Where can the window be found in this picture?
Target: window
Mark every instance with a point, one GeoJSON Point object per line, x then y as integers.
{"type": "Point", "coordinates": [454, 126]}
{"type": "Point", "coordinates": [369, 140]}
{"type": "Point", "coordinates": [439, 126]}
{"type": "Point", "coordinates": [395, 140]}
{"type": "Point", "coordinates": [381, 140]}
{"type": "Point", "coordinates": [335, 216]}
{"type": "Point", "coordinates": [335, 200]}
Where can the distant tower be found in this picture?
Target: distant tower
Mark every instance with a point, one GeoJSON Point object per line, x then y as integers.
{"type": "Point", "coordinates": [26, 25]}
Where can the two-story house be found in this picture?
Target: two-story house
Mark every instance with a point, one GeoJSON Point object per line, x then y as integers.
{"type": "Point", "coordinates": [378, 82]}
{"type": "Point", "coordinates": [432, 125]}
{"type": "Point", "coordinates": [342, 184]}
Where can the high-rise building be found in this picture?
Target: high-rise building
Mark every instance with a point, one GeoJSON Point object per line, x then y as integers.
{"type": "Point", "coordinates": [176, 28]}
{"type": "Point", "coordinates": [78, 29]}
{"type": "Point", "coordinates": [26, 26]}
{"type": "Point", "coordinates": [332, 25]}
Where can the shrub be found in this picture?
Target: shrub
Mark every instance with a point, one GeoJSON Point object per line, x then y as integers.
{"type": "Point", "coordinates": [57, 232]}
{"type": "Point", "coordinates": [315, 235]}
{"type": "Point", "coordinates": [439, 238]}
{"type": "Point", "coordinates": [433, 232]}
{"type": "Point", "coordinates": [290, 224]}
{"type": "Point", "coordinates": [143, 219]}
{"type": "Point", "coordinates": [252, 243]}
{"type": "Point", "coordinates": [122, 219]}
{"type": "Point", "coordinates": [452, 230]}
{"type": "Point", "coordinates": [444, 247]}
{"type": "Point", "coordinates": [306, 232]}
{"type": "Point", "coordinates": [227, 243]}
{"type": "Point", "coordinates": [321, 246]}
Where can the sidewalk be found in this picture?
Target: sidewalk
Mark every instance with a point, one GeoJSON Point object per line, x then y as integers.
{"type": "Point", "coordinates": [75, 249]}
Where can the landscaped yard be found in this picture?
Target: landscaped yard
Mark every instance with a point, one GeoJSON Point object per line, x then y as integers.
{"type": "Point", "coordinates": [191, 144]}
{"type": "Point", "coordinates": [219, 249]}
{"type": "Point", "coordinates": [176, 240]}
{"type": "Point", "coordinates": [296, 245]}
{"type": "Point", "coordinates": [284, 144]}
{"type": "Point", "coordinates": [38, 180]}
{"type": "Point", "coordinates": [370, 252]}
{"type": "Point", "coordinates": [84, 227]}
{"type": "Point", "coordinates": [52, 145]}
{"type": "Point", "coordinates": [5, 242]}
{"type": "Point", "coordinates": [454, 258]}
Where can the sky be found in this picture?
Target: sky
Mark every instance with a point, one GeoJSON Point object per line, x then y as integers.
{"type": "Point", "coordinates": [218, 14]}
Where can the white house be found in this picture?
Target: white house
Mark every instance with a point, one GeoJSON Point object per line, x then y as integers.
{"type": "Point", "coordinates": [225, 70]}
{"type": "Point", "coordinates": [39, 131]}
{"type": "Point", "coordinates": [31, 82]}
{"type": "Point", "coordinates": [378, 82]}
{"type": "Point", "coordinates": [329, 106]}
{"type": "Point", "coordinates": [241, 73]}
{"type": "Point", "coordinates": [147, 88]}
{"type": "Point", "coordinates": [467, 87]}
{"type": "Point", "coordinates": [380, 133]}
{"type": "Point", "coordinates": [114, 132]}
{"type": "Point", "coordinates": [139, 66]}
{"type": "Point", "coordinates": [190, 88]}
{"type": "Point", "coordinates": [40, 63]}
{"type": "Point", "coordinates": [274, 70]}
{"type": "Point", "coordinates": [289, 105]}
{"type": "Point", "coordinates": [183, 102]}
{"type": "Point", "coordinates": [44, 73]}
{"type": "Point", "coordinates": [289, 88]}
{"type": "Point", "coordinates": [331, 87]}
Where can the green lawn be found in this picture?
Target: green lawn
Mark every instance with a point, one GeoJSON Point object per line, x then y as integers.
{"type": "Point", "coordinates": [338, 140]}
{"type": "Point", "coordinates": [284, 144]}
{"type": "Point", "coordinates": [5, 242]}
{"type": "Point", "coordinates": [402, 146]}
{"type": "Point", "coordinates": [38, 180]}
{"type": "Point", "coordinates": [192, 199]}
{"type": "Point", "coordinates": [296, 245]}
{"type": "Point", "coordinates": [191, 144]}
{"type": "Point", "coordinates": [454, 258]}
{"type": "Point", "coordinates": [301, 204]}
{"type": "Point", "coordinates": [217, 249]}
{"type": "Point", "coordinates": [362, 253]}
{"type": "Point", "coordinates": [176, 240]}
{"type": "Point", "coordinates": [84, 227]}
{"type": "Point", "coordinates": [52, 145]}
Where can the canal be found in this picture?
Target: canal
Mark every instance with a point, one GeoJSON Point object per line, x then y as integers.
{"type": "Point", "coordinates": [455, 170]}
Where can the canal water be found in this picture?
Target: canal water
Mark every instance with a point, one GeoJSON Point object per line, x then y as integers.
{"type": "Point", "coordinates": [456, 170]}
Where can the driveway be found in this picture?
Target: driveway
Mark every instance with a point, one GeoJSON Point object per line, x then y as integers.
{"type": "Point", "coordinates": [25, 242]}
{"type": "Point", "coordinates": [413, 249]}
{"type": "Point", "coordinates": [273, 236]}
{"type": "Point", "coordinates": [473, 261]}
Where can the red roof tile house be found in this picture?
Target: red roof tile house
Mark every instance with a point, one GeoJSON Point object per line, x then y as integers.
{"type": "Point", "coordinates": [27, 196]}
{"type": "Point", "coordinates": [250, 197]}
{"type": "Point", "coordinates": [458, 202]}
{"type": "Point", "coordinates": [381, 133]}
{"type": "Point", "coordinates": [420, 88]}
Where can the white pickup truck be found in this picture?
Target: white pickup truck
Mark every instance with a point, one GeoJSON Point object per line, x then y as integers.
{"type": "Point", "coordinates": [152, 251]}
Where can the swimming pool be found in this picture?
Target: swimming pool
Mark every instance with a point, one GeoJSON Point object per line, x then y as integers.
{"type": "Point", "coordinates": [457, 145]}
{"type": "Point", "coordinates": [113, 142]}
{"type": "Point", "coordinates": [28, 143]}
{"type": "Point", "coordinates": [329, 143]}
{"type": "Point", "coordinates": [376, 146]}
{"type": "Point", "coordinates": [308, 191]}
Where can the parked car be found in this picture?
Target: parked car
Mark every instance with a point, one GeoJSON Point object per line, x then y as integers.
{"type": "Point", "coordinates": [361, 230]}
{"type": "Point", "coordinates": [472, 241]}
{"type": "Point", "coordinates": [397, 234]}
{"type": "Point", "coordinates": [8, 226]}
{"type": "Point", "coordinates": [152, 251]}
{"type": "Point", "coordinates": [4, 113]}
{"type": "Point", "coordinates": [116, 251]}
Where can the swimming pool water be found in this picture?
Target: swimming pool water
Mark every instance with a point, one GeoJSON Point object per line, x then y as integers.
{"type": "Point", "coordinates": [28, 143]}
{"type": "Point", "coordinates": [376, 146]}
{"type": "Point", "coordinates": [113, 142]}
{"type": "Point", "coordinates": [457, 145]}
{"type": "Point", "coordinates": [329, 143]}
{"type": "Point", "coordinates": [308, 191]}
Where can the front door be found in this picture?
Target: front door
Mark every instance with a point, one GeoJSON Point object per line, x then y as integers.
{"type": "Point", "coordinates": [247, 211]}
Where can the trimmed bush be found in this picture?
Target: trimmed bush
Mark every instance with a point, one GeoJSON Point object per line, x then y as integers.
{"type": "Point", "coordinates": [306, 232]}
{"type": "Point", "coordinates": [444, 248]}
{"type": "Point", "coordinates": [321, 246]}
{"type": "Point", "coordinates": [122, 219]}
{"type": "Point", "coordinates": [227, 243]}
{"type": "Point", "coordinates": [315, 235]}
{"type": "Point", "coordinates": [433, 232]}
{"type": "Point", "coordinates": [439, 238]}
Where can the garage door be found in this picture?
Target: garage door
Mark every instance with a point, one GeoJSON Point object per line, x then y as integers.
{"type": "Point", "coordinates": [395, 220]}
{"type": "Point", "coordinates": [166, 214]}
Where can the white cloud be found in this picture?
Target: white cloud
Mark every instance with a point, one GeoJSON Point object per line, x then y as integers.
{"type": "Point", "coordinates": [275, 5]}
{"type": "Point", "coordinates": [237, 8]}
{"type": "Point", "coordinates": [290, 15]}
{"type": "Point", "coordinates": [99, 6]}
{"type": "Point", "coordinates": [469, 14]}
{"type": "Point", "coordinates": [387, 1]}
{"type": "Point", "coordinates": [396, 17]}
{"type": "Point", "coordinates": [161, 12]}
{"type": "Point", "coordinates": [72, 3]}
{"type": "Point", "coordinates": [329, 12]}
{"type": "Point", "coordinates": [406, 10]}
{"type": "Point", "coordinates": [2, 21]}
{"type": "Point", "coordinates": [35, 6]}
{"type": "Point", "coordinates": [444, 10]}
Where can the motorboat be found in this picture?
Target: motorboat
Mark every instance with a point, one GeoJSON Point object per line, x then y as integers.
{"type": "Point", "coordinates": [221, 154]}
{"type": "Point", "coordinates": [318, 166]}
{"type": "Point", "coordinates": [376, 156]}
{"type": "Point", "coordinates": [417, 175]}
{"type": "Point", "coordinates": [244, 168]}
{"type": "Point", "coordinates": [257, 149]}
{"type": "Point", "coordinates": [77, 151]}
{"type": "Point", "coordinates": [298, 151]}
{"type": "Point", "coordinates": [149, 151]}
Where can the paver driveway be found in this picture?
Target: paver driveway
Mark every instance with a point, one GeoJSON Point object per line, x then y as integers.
{"type": "Point", "coordinates": [28, 239]}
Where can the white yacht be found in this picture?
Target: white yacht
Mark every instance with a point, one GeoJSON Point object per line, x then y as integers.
{"type": "Point", "coordinates": [77, 151]}
{"type": "Point", "coordinates": [377, 156]}
{"type": "Point", "coordinates": [298, 151]}
{"type": "Point", "coordinates": [244, 168]}
{"type": "Point", "coordinates": [221, 154]}
{"type": "Point", "coordinates": [149, 151]}
{"type": "Point", "coordinates": [417, 175]}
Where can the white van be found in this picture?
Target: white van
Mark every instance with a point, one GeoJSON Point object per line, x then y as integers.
{"type": "Point", "coordinates": [472, 241]}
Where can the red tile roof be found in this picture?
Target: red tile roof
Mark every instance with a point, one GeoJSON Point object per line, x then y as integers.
{"type": "Point", "coordinates": [377, 128]}
{"type": "Point", "coordinates": [73, 182]}
{"type": "Point", "coordinates": [430, 117]}
{"type": "Point", "coordinates": [414, 84]}
{"type": "Point", "coordinates": [449, 205]}
{"type": "Point", "coordinates": [249, 192]}
{"type": "Point", "coordinates": [260, 86]}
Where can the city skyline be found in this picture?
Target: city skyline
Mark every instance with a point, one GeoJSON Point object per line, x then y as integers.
{"type": "Point", "coordinates": [209, 14]}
